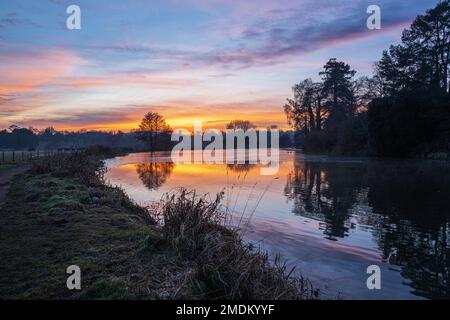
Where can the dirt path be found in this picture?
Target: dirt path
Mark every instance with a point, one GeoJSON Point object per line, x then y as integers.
{"type": "Point", "coordinates": [6, 177]}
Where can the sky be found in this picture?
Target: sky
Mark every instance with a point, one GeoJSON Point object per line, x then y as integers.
{"type": "Point", "coordinates": [207, 60]}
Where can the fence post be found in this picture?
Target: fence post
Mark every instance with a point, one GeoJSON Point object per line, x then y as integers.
{"type": "Point", "coordinates": [14, 156]}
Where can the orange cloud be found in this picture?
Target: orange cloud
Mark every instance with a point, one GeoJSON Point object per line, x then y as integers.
{"type": "Point", "coordinates": [122, 79]}
{"type": "Point", "coordinates": [126, 120]}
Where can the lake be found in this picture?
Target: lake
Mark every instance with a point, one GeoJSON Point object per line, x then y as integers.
{"type": "Point", "coordinates": [330, 217]}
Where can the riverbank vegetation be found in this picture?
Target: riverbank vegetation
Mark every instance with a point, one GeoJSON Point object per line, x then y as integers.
{"type": "Point", "coordinates": [402, 111]}
{"type": "Point", "coordinates": [62, 213]}
{"type": "Point", "coordinates": [6, 166]}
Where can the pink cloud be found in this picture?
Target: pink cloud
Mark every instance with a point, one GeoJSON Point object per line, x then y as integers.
{"type": "Point", "coordinates": [121, 79]}
{"type": "Point", "coordinates": [22, 73]}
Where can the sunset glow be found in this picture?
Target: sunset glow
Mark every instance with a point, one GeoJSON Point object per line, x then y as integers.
{"type": "Point", "coordinates": [212, 61]}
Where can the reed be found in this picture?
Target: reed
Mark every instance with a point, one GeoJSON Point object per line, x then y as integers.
{"type": "Point", "coordinates": [225, 266]}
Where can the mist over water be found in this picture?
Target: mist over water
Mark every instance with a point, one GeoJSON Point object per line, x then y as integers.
{"type": "Point", "coordinates": [330, 217]}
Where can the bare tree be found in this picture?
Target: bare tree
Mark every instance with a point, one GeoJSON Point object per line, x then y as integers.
{"type": "Point", "coordinates": [240, 124]}
{"type": "Point", "coordinates": [153, 129]}
{"type": "Point", "coordinates": [305, 111]}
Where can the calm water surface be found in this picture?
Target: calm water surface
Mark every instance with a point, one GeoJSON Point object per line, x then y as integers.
{"type": "Point", "coordinates": [330, 217]}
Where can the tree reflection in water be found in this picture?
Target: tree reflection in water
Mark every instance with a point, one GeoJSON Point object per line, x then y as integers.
{"type": "Point", "coordinates": [324, 192]}
{"type": "Point", "coordinates": [154, 174]}
{"type": "Point", "coordinates": [240, 167]}
{"type": "Point", "coordinates": [406, 205]}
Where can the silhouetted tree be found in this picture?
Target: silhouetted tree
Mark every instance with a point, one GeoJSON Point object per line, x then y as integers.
{"type": "Point", "coordinates": [18, 138]}
{"type": "Point", "coordinates": [337, 87]}
{"type": "Point", "coordinates": [154, 131]}
{"type": "Point", "coordinates": [305, 112]}
{"type": "Point", "coordinates": [421, 61]}
{"type": "Point", "coordinates": [404, 110]}
{"type": "Point", "coordinates": [240, 124]}
{"type": "Point", "coordinates": [330, 113]}
{"type": "Point", "coordinates": [413, 114]}
{"type": "Point", "coordinates": [429, 40]}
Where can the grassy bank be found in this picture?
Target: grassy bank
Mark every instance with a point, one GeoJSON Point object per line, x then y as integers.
{"type": "Point", "coordinates": [61, 213]}
{"type": "Point", "coordinates": [6, 166]}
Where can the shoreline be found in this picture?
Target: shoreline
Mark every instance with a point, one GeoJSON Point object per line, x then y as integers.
{"type": "Point", "coordinates": [67, 215]}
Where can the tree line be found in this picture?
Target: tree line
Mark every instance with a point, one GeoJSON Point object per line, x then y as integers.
{"type": "Point", "coordinates": [17, 138]}
{"type": "Point", "coordinates": [156, 133]}
{"type": "Point", "coordinates": [402, 110]}
{"type": "Point", "coordinates": [152, 134]}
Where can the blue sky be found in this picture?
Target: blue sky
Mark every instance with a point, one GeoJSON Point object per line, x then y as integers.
{"type": "Point", "coordinates": [189, 60]}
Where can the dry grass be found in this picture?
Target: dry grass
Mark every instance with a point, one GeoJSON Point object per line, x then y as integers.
{"type": "Point", "coordinates": [85, 165]}
{"type": "Point", "coordinates": [225, 266]}
{"type": "Point", "coordinates": [65, 214]}
{"type": "Point", "coordinates": [88, 168]}
{"type": "Point", "coordinates": [52, 220]}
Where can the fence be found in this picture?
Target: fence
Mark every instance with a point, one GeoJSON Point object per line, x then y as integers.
{"type": "Point", "coordinates": [22, 156]}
